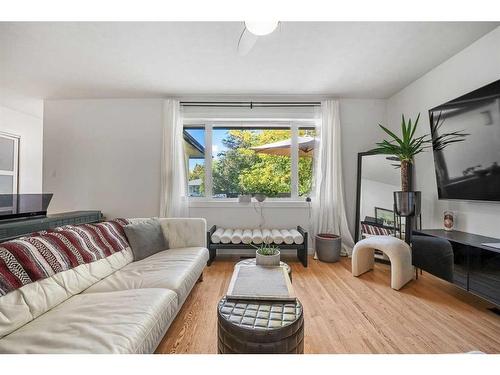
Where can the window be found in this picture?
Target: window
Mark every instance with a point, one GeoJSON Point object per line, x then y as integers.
{"type": "Point", "coordinates": [194, 154]}
{"type": "Point", "coordinates": [251, 160]}
{"type": "Point", "coordinates": [9, 159]}
{"type": "Point", "coordinates": [275, 160]}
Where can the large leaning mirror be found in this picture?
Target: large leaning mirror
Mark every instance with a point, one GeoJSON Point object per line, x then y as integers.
{"type": "Point", "coordinates": [378, 178]}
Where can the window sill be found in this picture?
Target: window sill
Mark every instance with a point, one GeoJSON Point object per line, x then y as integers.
{"type": "Point", "coordinates": [227, 203]}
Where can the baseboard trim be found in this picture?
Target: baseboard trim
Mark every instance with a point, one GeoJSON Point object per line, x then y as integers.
{"type": "Point", "coordinates": [495, 310]}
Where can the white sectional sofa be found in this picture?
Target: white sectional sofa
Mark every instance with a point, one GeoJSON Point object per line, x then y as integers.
{"type": "Point", "coordinates": [111, 305]}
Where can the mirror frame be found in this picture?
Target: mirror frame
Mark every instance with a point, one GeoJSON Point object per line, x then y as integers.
{"type": "Point", "coordinates": [358, 189]}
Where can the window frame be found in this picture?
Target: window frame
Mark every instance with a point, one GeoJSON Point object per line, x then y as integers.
{"type": "Point", "coordinates": [209, 124]}
{"type": "Point", "coordinates": [15, 172]}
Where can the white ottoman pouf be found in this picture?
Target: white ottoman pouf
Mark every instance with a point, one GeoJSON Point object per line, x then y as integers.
{"type": "Point", "coordinates": [398, 252]}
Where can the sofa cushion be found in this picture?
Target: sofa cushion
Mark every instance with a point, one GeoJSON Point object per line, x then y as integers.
{"type": "Point", "coordinates": [32, 300]}
{"type": "Point", "coordinates": [130, 321]}
{"type": "Point", "coordinates": [145, 238]}
{"type": "Point", "coordinates": [184, 232]}
{"type": "Point", "coordinates": [175, 269]}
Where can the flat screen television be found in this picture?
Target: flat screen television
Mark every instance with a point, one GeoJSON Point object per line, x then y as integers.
{"type": "Point", "coordinates": [466, 145]}
{"type": "Point", "coordinates": [18, 206]}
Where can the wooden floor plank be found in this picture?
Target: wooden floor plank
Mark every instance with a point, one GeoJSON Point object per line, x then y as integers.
{"type": "Point", "coordinates": [346, 314]}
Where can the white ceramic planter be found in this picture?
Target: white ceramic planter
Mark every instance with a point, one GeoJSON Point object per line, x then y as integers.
{"type": "Point", "coordinates": [267, 260]}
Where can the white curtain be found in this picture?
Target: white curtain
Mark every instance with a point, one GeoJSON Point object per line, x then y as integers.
{"type": "Point", "coordinates": [328, 213]}
{"type": "Point", "coordinates": [173, 199]}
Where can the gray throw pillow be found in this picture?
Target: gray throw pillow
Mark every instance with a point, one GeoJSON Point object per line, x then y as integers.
{"type": "Point", "coordinates": [145, 238]}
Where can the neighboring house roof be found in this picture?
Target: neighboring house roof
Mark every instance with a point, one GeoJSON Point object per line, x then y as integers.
{"type": "Point", "coordinates": [195, 150]}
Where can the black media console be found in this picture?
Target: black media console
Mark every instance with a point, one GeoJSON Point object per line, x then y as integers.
{"type": "Point", "coordinates": [476, 267]}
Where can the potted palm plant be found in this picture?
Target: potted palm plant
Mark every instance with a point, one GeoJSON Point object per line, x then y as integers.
{"type": "Point", "coordinates": [404, 148]}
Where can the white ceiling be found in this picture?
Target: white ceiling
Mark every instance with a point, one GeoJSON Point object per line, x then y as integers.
{"type": "Point", "coordinates": [87, 60]}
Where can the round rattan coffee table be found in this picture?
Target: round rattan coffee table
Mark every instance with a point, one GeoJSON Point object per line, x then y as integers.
{"type": "Point", "coordinates": [260, 327]}
{"type": "Point", "coordinates": [252, 262]}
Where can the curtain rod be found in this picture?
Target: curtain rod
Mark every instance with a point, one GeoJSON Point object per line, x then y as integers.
{"type": "Point", "coordinates": [250, 104]}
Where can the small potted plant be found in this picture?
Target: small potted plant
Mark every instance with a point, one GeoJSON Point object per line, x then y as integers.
{"type": "Point", "coordinates": [267, 255]}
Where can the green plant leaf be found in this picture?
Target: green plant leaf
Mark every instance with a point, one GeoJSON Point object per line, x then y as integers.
{"type": "Point", "coordinates": [394, 136]}
{"type": "Point", "coordinates": [407, 137]}
{"type": "Point", "coordinates": [406, 146]}
{"type": "Point", "coordinates": [403, 126]}
{"type": "Point", "coordinates": [415, 126]}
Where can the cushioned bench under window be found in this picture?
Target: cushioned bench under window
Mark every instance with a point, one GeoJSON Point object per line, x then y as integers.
{"type": "Point", "coordinates": [227, 238]}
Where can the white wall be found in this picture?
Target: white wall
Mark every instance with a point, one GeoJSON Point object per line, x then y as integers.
{"type": "Point", "coordinates": [475, 66]}
{"type": "Point", "coordinates": [103, 154]}
{"type": "Point", "coordinates": [22, 116]}
{"type": "Point", "coordinates": [360, 131]}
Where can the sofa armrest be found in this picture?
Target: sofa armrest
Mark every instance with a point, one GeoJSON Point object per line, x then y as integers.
{"type": "Point", "coordinates": [185, 232]}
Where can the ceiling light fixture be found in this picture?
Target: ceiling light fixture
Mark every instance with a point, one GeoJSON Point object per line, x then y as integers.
{"type": "Point", "coordinates": [262, 27]}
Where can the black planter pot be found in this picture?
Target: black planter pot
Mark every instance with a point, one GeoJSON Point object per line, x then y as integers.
{"type": "Point", "coordinates": [407, 203]}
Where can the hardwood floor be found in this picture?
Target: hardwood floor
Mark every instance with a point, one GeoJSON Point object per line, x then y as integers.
{"type": "Point", "coordinates": [345, 314]}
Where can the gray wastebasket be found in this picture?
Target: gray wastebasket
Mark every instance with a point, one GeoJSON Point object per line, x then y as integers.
{"type": "Point", "coordinates": [328, 247]}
